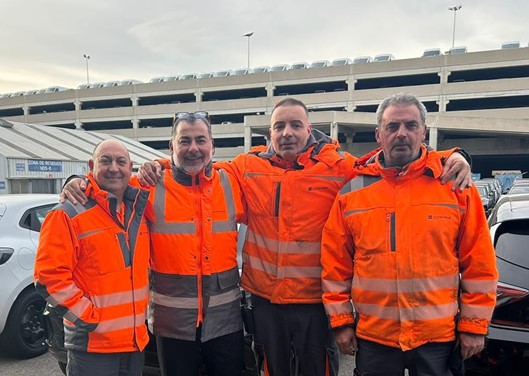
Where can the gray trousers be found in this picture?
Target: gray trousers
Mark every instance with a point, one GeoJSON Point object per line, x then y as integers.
{"type": "Point", "coordinates": [82, 363]}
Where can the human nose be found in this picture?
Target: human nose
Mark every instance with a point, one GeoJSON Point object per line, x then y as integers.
{"type": "Point", "coordinates": [193, 146]}
{"type": "Point", "coordinates": [114, 166]}
{"type": "Point", "coordinates": [401, 131]}
{"type": "Point", "coordinates": [287, 131]}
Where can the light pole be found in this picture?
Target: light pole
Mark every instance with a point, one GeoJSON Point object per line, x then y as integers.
{"type": "Point", "coordinates": [454, 9]}
{"type": "Point", "coordinates": [248, 35]}
{"type": "Point", "coordinates": [87, 57]}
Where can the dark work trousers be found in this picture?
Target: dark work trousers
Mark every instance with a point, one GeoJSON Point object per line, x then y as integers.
{"type": "Point", "coordinates": [222, 356]}
{"type": "Point", "coordinates": [82, 363]}
{"type": "Point", "coordinates": [301, 330]}
{"type": "Point", "coordinates": [430, 359]}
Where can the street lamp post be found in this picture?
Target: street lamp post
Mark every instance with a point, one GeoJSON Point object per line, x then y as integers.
{"type": "Point", "coordinates": [87, 57]}
{"type": "Point", "coordinates": [454, 9]}
{"type": "Point", "coordinates": [248, 35]}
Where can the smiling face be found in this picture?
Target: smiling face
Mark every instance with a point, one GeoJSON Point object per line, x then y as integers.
{"type": "Point", "coordinates": [111, 167]}
{"type": "Point", "coordinates": [290, 130]}
{"type": "Point", "coordinates": [192, 146]}
{"type": "Point", "coordinates": [401, 133]}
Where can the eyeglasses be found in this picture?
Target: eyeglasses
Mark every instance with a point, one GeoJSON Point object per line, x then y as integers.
{"type": "Point", "coordinates": [198, 115]}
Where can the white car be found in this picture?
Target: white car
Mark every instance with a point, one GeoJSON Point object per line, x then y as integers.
{"type": "Point", "coordinates": [21, 326]}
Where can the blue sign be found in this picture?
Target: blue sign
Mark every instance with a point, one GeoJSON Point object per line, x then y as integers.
{"type": "Point", "coordinates": [44, 165]}
{"type": "Point", "coordinates": [21, 167]}
{"type": "Point", "coordinates": [2, 184]}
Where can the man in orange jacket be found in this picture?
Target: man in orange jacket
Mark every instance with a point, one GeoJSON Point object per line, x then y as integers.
{"type": "Point", "coordinates": [193, 212]}
{"type": "Point", "coordinates": [412, 258]}
{"type": "Point", "coordinates": [288, 189]}
{"type": "Point", "coordinates": [91, 266]}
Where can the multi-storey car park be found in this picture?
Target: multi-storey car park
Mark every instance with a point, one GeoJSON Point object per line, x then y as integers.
{"type": "Point", "coordinates": [476, 100]}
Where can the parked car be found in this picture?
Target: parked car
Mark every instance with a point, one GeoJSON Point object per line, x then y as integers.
{"type": "Point", "coordinates": [431, 52]}
{"type": "Point", "coordinates": [383, 57]}
{"type": "Point", "coordinates": [262, 69]}
{"type": "Point", "coordinates": [239, 72]}
{"type": "Point", "coordinates": [457, 50]}
{"type": "Point", "coordinates": [507, 347]}
{"type": "Point", "coordinates": [362, 60]}
{"type": "Point", "coordinates": [300, 65]}
{"type": "Point", "coordinates": [341, 61]}
{"type": "Point", "coordinates": [280, 68]}
{"type": "Point", "coordinates": [22, 332]}
{"type": "Point", "coordinates": [320, 64]}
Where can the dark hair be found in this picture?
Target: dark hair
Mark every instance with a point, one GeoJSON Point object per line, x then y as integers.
{"type": "Point", "coordinates": [291, 102]}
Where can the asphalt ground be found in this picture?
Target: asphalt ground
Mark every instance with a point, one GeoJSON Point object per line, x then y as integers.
{"type": "Point", "coordinates": [46, 365]}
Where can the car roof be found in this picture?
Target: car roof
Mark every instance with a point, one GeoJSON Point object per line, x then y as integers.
{"type": "Point", "coordinates": [510, 208]}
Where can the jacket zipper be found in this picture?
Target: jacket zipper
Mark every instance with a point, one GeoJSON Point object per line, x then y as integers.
{"type": "Point", "coordinates": [277, 199]}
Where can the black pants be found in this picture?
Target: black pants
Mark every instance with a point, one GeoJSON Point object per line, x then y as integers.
{"type": "Point", "coordinates": [222, 356]}
{"type": "Point", "coordinates": [431, 359]}
{"type": "Point", "coordinates": [299, 329]}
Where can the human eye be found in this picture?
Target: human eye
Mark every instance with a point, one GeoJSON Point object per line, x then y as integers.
{"type": "Point", "coordinates": [279, 126]}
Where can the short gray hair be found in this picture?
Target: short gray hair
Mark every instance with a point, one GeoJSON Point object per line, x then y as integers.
{"type": "Point", "coordinates": [400, 99]}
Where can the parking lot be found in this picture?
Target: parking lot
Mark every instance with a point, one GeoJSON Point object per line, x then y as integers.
{"type": "Point", "coordinates": [46, 365]}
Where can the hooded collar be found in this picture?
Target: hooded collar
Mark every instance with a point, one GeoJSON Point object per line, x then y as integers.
{"type": "Point", "coordinates": [316, 142]}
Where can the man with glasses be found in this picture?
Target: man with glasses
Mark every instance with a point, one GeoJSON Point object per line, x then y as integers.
{"type": "Point", "coordinates": [194, 309]}
{"type": "Point", "coordinates": [289, 188]}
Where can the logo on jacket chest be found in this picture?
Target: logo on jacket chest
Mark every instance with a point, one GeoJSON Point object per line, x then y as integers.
{"type": "Point", "coordinates": [317, 188]}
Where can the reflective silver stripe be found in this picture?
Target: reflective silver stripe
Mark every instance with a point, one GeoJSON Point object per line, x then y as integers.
{"type": "Point", "coordinates": [121, 323]}
{"type": "Point", "coordinates": [160, 226]}
{"type": "Point", "coordinates": [476, 312]}
{"type": "Point", "coordinates": [78, 309]}
{"type": "Point", "coordinates": [351, 212]}
{"type": "Point", "coordinates": [121, 297]}
{"type": "Point", "coordinates": [64, 294]}
{"type": "Point", "coordinates": [273, 245]}
{"type": "Point", "coordinates": [338, 308]}
{"type": "Point", "coordinates": [89, 233]}
{"type": "Point", "coordinates": [174, 301]}
{"type": "Point", "coordinates": [430, 312]}
{"type": "Point", "coordinates": [224, 226]}
{"type": "Point", "coordinates": [482, 286]}
{"type": "Point", "coordinates": [173, 227]}
{"type": "Point", "coordinates": [228, 194]}
{"type": "Point", "coordinates": [299, 271]}
{"type": "Point", "coordinates": [224, 298]}
{"type": "Point", "coordinates": [258, 264]}
{"type": "Point", "coordinates": [405, 285]}
{"type": "Point", "coordinates": [336, 286]}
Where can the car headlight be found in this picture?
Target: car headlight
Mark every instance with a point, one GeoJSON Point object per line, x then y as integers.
{"type": "Point", "coordinates": [5, 254]}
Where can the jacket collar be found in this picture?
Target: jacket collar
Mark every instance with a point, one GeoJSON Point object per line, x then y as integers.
{"type": "Point", "coordinates": [315, 144]}
{"type": "Point", "coordinates": [182, 177]}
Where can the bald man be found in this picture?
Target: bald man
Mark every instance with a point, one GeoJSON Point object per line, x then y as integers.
{"type": "Point", "coordinates": [91, 266]}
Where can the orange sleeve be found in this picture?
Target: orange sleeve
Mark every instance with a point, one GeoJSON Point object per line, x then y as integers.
{"type": "Point", "coordinates": [337, 268]}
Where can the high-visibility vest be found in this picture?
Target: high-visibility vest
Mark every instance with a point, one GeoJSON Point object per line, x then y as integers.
{"type": "Point", "coordinates": [194, 268]}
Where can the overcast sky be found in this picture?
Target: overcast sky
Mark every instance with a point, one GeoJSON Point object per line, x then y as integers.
{"type": "Point", "coordinates": [42, 42]}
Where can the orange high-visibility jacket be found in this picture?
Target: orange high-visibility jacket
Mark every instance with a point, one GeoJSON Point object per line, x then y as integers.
{"type": "Point", "coordinates": [194, 269]}
{"type": "Point", "coordinates": [414, 257]}
{"type": "Point", "coordinates": [287, 206]}
{"type": "Point", "coordinates": [94, 269]}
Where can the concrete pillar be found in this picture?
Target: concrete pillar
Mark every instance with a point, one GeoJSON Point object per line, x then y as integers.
{"type": "Point", "coordinates": [432, 138]}
{"type": "Point", "coordinates": [349, 138]}
{"type": "Point", "coordinates": [247, 137]}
